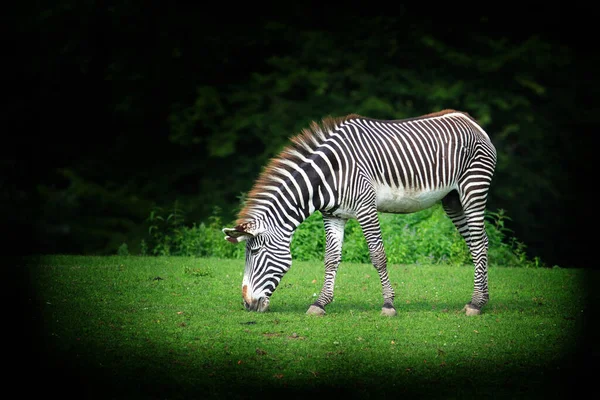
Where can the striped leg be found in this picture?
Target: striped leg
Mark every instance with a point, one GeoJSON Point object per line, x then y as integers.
{"type": "Point", "coordinates": [479, 250]}
{"type": "Point", "coordinates": [334, 238]}
{"type": "Point", "coordinates": [454, 210]}
{"type": "Point", "coordinates": [469, 221]}
{"type": "Point", "coordinates": [369, 222]}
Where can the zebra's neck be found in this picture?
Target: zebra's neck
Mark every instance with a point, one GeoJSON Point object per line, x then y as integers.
{"type": "Point", "coordinates": [291, 195]}
{"type": "Point", "coordinates": [299, 180]}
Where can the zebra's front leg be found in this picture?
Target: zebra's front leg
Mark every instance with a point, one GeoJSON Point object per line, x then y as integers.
{"type": "Point", "coordinates": [369, 222]}
{"type": "Point", "coordinates": [334, 238]}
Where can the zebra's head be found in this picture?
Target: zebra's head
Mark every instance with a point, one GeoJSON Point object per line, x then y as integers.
{"type": "Point", "coordinates": [268, 258]}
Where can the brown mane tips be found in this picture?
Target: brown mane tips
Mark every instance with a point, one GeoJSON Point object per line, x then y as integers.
{"type": "Point", "coordinates": [441, 112]}
{"type": "Point", "coordinates": [351, 116]}
{"type": "Point", "coordinates": [299, 140]}
{"type": "Point", "coordinates": [448, 111]}
{"type": "Point", "coordinates": [317, 132]}
{"type": "Point", "coordinates": [330, 123]}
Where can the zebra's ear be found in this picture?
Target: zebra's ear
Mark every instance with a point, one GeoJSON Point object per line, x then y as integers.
{"type": "Point", "coordinates": [241, 232]}
{"type": "Point", "coordinates": [235, 236]}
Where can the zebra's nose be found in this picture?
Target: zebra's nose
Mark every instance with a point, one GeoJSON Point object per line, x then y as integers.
{"type": "Point", "coordinates": [251, 306]}
{"type": "Point", "coordinates": [260, 305]}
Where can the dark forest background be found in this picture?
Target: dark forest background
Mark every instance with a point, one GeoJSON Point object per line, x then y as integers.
{"type": "Point", "coordinates": [113, 110]}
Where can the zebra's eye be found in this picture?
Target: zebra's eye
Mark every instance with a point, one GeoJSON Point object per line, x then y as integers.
{"type": "Point", "coordinates": [254, 251]}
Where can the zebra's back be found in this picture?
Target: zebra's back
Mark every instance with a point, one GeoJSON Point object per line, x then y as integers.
{"type": "Point", "coordinates": [413, 163]}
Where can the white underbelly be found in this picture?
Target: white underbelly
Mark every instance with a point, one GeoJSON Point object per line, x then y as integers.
{"type": "Point", "coordinates": [401, 200]}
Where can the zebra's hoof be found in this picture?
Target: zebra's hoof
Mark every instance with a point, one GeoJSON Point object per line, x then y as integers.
{"type": "Point", "coordinates": [315, 310]}
{"type": "Point", "coordinates": [471, 310]}
{"type": "Point", "coordinates": [388, 312]}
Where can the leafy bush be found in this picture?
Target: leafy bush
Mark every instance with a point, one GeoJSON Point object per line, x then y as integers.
{"type": "Point", "coordinates": [206, 240]}
{"type": "Point", "coordinates": [123, 250]}
{"type": "Point", "coordinates": [167, 235]}
{"type": "Point", "coordinates": [163, 230]}
{"type": "Point", "coordinates": [426, 237]}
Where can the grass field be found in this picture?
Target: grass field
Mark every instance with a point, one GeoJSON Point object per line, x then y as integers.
{"type": "Point", "coordinates": [141, 327]}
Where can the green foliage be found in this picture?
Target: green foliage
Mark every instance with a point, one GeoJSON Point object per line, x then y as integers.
{"type": "Point", "coordinates": [355, 246]}
{"type": "Point", "coordinates": [123, 250]}
{"type": "Point", "coordinates": [382, 69]}
{"type": "Point", "coordinates": [426, 237]}
{"type": "Point", "coordinates": [164, 231]}
{"type": "Point", "coordinates": [168, 235]}
{"type": "Point", "coordinates": [300, 84]}
{"type": "Point", "coordinates": [504, 248]}
{"type": "Point", "coordinates": [308, 242]}
{"type": "Point", "coordinates": [207, 240]}
{"type": "Point", "coordinates": [143, 248]}
{"type": "Point", "coordinates": [227, 112]}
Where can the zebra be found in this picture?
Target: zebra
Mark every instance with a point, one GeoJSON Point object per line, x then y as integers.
{"type": "Point", "coordinates": [354, 167]}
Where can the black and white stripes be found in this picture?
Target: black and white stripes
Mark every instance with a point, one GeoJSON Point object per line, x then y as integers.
{"type": "Point", "coordinates": [352, 168]}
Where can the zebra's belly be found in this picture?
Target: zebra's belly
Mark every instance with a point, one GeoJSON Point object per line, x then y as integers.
{"type": "Point", "coordinates": [401, 200]}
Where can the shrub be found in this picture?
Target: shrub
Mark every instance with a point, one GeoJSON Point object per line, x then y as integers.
{"type": "Point", "coordinates": [123, 250]}
{"type": "Point", "coordinates": [198, 240]}
{"type": "Point", "coordinates": [163, 230]}
{"type": "Point", "coordinates": [426, 237]}
{"type": "Point", "coordinates": [207, 240]}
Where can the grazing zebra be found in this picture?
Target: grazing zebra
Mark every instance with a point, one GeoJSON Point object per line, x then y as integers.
{"type": "Point", "coordinates": [353, 167]}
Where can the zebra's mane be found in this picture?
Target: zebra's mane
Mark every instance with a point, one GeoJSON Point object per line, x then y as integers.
{"type": "Point", "coordinates": [301, 144]}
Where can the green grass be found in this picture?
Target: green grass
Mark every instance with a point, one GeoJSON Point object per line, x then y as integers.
{"type": "Point", "coordinates": [170, 327]}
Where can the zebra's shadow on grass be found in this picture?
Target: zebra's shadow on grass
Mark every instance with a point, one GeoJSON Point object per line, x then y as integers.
{"type": "Point", "coordinates": [350, 306]}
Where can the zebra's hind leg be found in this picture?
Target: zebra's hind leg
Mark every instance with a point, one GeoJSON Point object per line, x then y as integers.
{"type": "Point", "coordinates": [479, 253]}
{"type": "Point", "coordinates": [471, 226]}
{"type": "Point", "coordinates": [369, 222]}
{"type": "Point", "coordinates": [334, 238]}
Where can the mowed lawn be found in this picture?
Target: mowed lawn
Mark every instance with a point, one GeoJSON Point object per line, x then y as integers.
{"type": "Point", "coordinates": [169, 327]}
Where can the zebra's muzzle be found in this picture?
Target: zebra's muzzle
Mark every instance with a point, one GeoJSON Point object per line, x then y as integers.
{"type": "Point", "coordinates": [260, 305]}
